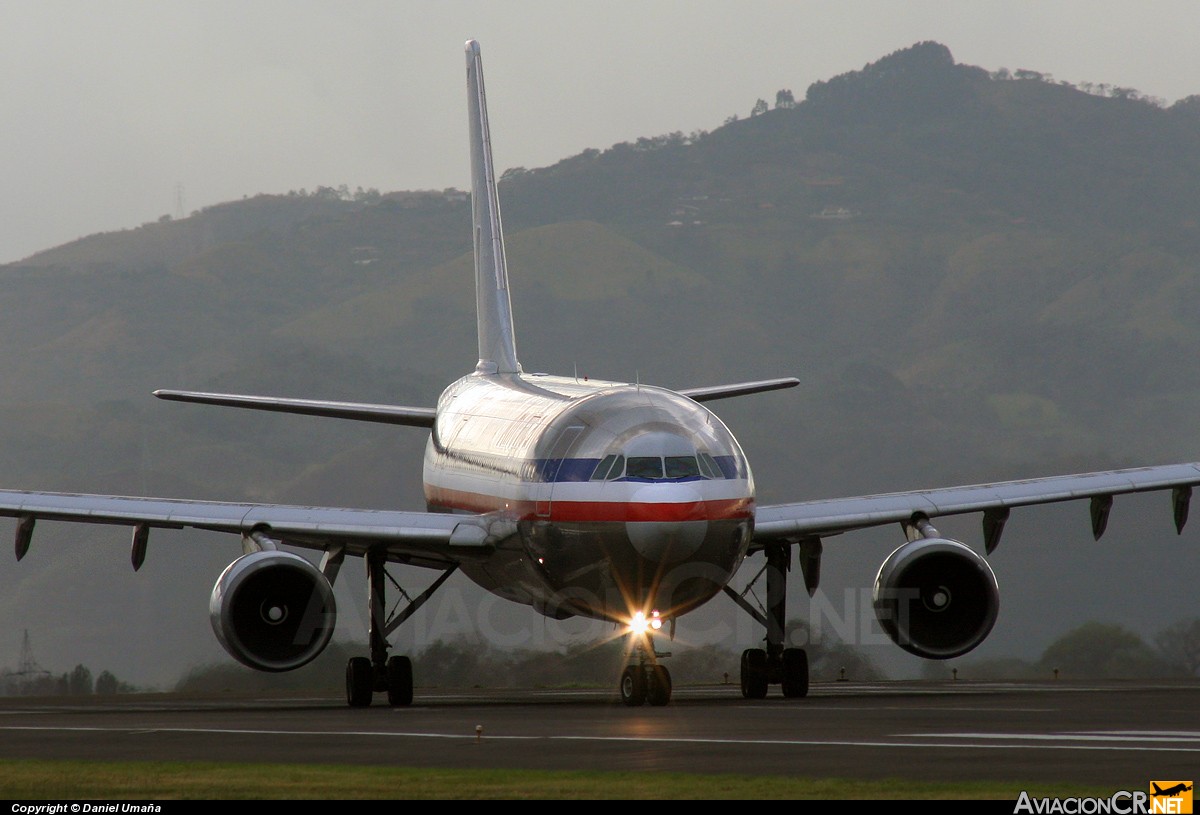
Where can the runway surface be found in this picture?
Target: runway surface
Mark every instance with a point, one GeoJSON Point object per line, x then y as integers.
{"type": "Point", "coordinates": [1120, 735]}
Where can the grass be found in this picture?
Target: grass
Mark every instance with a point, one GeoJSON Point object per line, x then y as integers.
{"type": "Point", "coordinates": [66, 780]}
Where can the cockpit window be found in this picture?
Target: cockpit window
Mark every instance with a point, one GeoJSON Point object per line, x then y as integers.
{"type": "Point", "coordinates": [709, 467]}
{"type": "Point", "coordinates": [602, 468]}
{"type": "Point", "coordinates": [610, 467]}
{"type": "Point", "coordinates": [653, 468]}
{"type": "Point", "coordinates": [618, 468]}
{"type": "Point", "coordinates": [644, 467]}
{"type": "Point", "coordinates": [681, 467]}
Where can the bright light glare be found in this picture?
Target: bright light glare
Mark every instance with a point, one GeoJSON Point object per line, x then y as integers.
{"type": "Point", "coordinates": [638, 623]}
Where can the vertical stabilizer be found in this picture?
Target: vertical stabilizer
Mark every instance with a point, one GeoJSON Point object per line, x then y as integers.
{"type": "Point", "coordinates": [497, 345]}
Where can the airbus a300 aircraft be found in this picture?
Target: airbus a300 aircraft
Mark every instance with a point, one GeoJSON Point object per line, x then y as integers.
{"type": "Point", "coordinates": [621, 502]}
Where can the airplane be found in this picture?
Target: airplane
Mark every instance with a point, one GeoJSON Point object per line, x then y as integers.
{"type": "Point", "coordinates": [621, 502]}
{"type": "Point", "coordinates": [1169, 791]}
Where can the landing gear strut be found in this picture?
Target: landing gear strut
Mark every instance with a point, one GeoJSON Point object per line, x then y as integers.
{"type": "Point", "coordinates": [644, 680]}
{"type": "Point", "coordinates": [379, 673]}
{"type": "Point", "coordinates": [774, 665]}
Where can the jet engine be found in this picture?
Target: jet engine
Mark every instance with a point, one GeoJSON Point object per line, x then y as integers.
{"type": "Point", "coordinates": [936, 598]}
{"type": "Point", "coordinates": [272, 610]}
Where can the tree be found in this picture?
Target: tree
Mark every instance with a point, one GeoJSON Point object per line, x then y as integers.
{"type": "Point", "coordinates": [1179, 645]}
{"type": "Point", "coordinates": [828, 656]}
{"type": "Point", "coordinates": [1188, 104]}
{"type": "Point", "coordinates": [760, 107]}
{"type": "Point", "coordinates": [1098, 650]}
{"type": "Point", "coordinates": [106, 684]}
{"type": "Point", "coordinates": [79, 681]}
{"type": "Point", "coordinates": [784, 99]}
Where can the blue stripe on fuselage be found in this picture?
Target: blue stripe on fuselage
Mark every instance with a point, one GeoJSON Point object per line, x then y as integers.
{"type": "Point", "coordinates": [581, 469]}
{"type": "Point", "coordinates": [564, 469]}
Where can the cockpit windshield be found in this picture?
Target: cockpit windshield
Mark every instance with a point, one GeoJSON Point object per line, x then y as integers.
{"type": "Point", "coordinates": [667, 440]}
{"type": "Point", "coordinates": [644, 467]}
{"type": "Point", "coordinates": [657, 468]}
{"type": "Point", "coordinates": [681, 467]}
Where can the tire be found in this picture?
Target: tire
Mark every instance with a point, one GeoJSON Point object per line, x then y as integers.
{"type": "Point", "coordinates": [399, 681]}
{"type": "Point", "coordinates": [754, 673]}
{"type": "Point", "coordinates": [658, 690]}
{"type": "Point", "coordinates": [360, 682]}
{"type": "Point", "coordinates": [795, 673]}
{"type": "Point", "coordinates": [633, 686]}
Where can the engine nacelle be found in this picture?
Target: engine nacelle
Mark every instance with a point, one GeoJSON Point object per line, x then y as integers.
{"type": "Point", "coordinates": [936, 598]}
{"type": "Point", "coordinates": [272, 610]}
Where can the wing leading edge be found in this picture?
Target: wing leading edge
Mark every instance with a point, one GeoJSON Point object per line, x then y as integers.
{"type": "Point", "coordinates": [421, 538]}
{"type": "Point", "coordinates": [833, 516]}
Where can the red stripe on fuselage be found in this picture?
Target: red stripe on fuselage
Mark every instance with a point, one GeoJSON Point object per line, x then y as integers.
{"type": "Point", "coordinates": [639, 511]}
{"type": "Point", "coordinates": [594, 511]}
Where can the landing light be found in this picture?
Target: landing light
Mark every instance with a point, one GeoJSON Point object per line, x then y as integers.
{"type": "Point", "coordinates": [639, 623]}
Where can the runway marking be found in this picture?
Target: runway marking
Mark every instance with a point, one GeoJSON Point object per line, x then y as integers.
{"type": "Point", "coordinates": [230, 731]}
{"type": "Point", "coordinates": [804, 708]}
{"type": "Point", "coordinates": [987, 740]}
{"type": "Point", "coordinates": [1102, 736]}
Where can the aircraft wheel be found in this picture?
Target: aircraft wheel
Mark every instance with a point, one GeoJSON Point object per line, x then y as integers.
{"type": "Point", "coordinates": [360, 681]}
{"type": "Point", "coordinates": [399, 681]}
{"type": "Point", "coordinates": [795, 673]}
{"type": "Point", "coordinates": [633, 686]}
{"type": "Point", "coordinates": [658, 690]}
{"type": "Point", "coordinates": [754, 673]}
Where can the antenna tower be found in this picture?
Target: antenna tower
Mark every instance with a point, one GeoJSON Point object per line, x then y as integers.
{"type": "Point", "coordinates": [28, 666]}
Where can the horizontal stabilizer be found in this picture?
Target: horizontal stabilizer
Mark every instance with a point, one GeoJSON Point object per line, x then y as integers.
{"type": "Point", "coordinates": [739, 389]}
{"type": "Point", "coordinates": [386, 414]}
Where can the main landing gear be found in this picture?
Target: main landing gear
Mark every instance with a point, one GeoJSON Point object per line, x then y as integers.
{"type": "Point", "coordinates": [775, 665]}
{"type": "Point", "coordinates": [379, 673]}
{"type": "Point", "coordinates": [644, 680]}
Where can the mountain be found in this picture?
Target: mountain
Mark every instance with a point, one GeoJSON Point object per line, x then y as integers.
{"type": "Point", "coordinates": [975, 276]}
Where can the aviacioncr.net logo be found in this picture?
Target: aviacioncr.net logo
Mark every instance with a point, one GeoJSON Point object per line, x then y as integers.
{"type": "Point", "coordinates": [1171, 797]}
{"type": "Point", "coordinates": [1163, 798]}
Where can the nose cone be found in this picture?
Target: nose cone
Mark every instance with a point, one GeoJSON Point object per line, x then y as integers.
{"type": "Point", "coordinates": [672, 521]}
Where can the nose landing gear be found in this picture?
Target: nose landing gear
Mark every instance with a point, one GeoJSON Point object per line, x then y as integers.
{"type": "Point", "coordinates": [644, 680]}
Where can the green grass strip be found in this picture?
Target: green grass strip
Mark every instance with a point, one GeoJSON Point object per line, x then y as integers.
{"type": "Point", "coordinates": [67, 780]}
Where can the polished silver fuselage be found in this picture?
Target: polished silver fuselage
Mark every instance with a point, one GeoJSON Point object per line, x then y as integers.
{"type": "Point", "coordinates": [626, 498]}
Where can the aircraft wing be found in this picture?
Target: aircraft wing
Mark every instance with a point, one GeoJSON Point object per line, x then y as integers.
{"type": "Point", "coordinates": [738, 389]}
{"type": "Point", "coordinates": [421, 538]}
{"type": "Point", "coordinates": [830, 517]}
{"type": "Point", "coordinates": [387, 414]}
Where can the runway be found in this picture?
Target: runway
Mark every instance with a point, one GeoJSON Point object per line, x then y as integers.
{"type": "Point", "coordinates": [1116, 734]}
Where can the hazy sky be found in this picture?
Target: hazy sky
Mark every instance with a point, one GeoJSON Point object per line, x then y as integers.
{"type": "Point", "coordinates": [113, 108]}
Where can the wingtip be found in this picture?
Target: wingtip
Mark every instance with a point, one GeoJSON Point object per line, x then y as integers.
{"type": "Point", "coordinates": [472, 47]}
